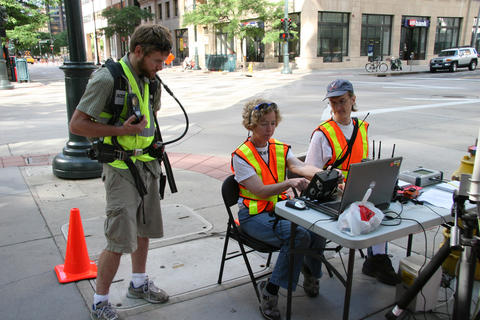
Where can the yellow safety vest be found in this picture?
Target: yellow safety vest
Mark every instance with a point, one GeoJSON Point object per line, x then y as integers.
{"type": "Point", "coordinates": [338, 143]}
{"type": "Point", "coordinates": [144, 138]}
{"type": "Point", "coordinates": [270, 173]}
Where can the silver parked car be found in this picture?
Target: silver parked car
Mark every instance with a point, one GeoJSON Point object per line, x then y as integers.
{"type": "Point", "coordinates": [454, 58]}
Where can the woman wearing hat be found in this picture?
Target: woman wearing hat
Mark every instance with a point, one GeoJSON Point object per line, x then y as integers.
{"type": "Point", "coordinates": [339, 142]}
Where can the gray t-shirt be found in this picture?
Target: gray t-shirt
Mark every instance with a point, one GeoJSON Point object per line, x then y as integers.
{"type": "Point", "coordinates": [99, 90]}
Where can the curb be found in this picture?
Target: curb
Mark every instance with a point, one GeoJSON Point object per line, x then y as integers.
{"type": "Point", "coordinates": [392, 74]}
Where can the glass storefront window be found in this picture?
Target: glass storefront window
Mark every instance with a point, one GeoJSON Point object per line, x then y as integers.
{"type": "Point", "coordinates": [181, 41]}
{"type": "Point", "coordinates": [223, 44]}
{"type": "Point", "coordinates": [476, 34]}
{"type": "Point", "coordinates": [255, 48]}
{"type": "Point", "coordinates": [159, 13]}
{"type": "Point", "coordinates": [332, 42]}
{"type": "Point", "coordinates": [447, 33]}
{"type": "Point", "coordinates": [376, 32]}
{"type": "Point", "coordinates": [413, 38]}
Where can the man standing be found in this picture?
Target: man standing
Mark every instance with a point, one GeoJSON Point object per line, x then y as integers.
{"type": "Point", "coordinates": [131, 175]}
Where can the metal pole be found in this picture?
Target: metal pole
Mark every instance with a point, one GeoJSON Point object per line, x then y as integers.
{"type": "Point", "coordinates": [95, 34]}
{"type": "Point", "coordinates": [286, 65]}
{"type": "Point", "coordinates": [73, 163]}
{"type": "Point", "coordinates": [196, 67]}
{"type": "Point", "coordinates": [474, 38]}
{"type": "Point", "coordinates": [4, 82]}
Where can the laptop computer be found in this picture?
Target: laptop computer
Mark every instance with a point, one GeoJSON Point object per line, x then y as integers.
{"type": "Point", "coordinates": [384, 172]}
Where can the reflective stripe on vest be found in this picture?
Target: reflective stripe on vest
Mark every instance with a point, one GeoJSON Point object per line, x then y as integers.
{"type": "Point", "coordinates": [144, 138]}
{"type": "Point", "coordinates": [338, 143]}
{"type": "Point", "coordinates": [270, 173]}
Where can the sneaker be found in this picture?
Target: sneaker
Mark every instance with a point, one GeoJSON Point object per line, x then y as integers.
{"type": "Point", "coordinates": [103, 311]}
{"type": "Point", "coordinates": [148, 291]}
{"type": "Point", "coordinates": [311, 285]}
{"type": "Point", "coordinates": [268, 303]}
{"type": "Point", "coordinates": [380, 266]}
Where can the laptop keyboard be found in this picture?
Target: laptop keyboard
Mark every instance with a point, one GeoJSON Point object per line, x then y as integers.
{"type": "Point", "coordinates": [329, 209]}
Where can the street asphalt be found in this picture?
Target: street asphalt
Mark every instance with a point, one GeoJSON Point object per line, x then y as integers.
{"type": "Point", "coordinates": [35, 211]}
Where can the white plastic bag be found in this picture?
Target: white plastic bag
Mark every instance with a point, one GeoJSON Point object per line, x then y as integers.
{"type": "Point", "coordinates": [359, 218]}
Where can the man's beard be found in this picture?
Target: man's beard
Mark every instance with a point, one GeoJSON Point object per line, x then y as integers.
{"type": "Point", "coordinates": [143, 70]}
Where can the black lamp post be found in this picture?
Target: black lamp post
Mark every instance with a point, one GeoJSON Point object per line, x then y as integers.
{"type": "Point", "coordinates": [73, 162]}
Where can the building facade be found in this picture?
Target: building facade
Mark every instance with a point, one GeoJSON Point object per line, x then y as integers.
{"type": "Point", "coordinates": [99, 47]}
{"type": "Point", "coordinates": [56, 18]}
{"type": "Point", "coordinates": [344, 33]}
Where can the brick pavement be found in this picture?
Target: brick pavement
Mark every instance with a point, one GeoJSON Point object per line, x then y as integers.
{"type": "Point", "coordinates": [212, 166]}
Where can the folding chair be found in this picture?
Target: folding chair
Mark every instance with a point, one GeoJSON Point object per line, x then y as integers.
{"type": "Point", "coordinates": [230, 192]}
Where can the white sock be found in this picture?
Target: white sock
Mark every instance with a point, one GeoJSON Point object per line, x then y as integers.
{"type": "Point", "coordinates": [378, 249]}
{"type": "Point", "coordinates": [138, 279]}
{"type": "Point", "coordinates": [97, 298]}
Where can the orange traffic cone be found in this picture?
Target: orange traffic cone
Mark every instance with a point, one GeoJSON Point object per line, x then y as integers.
{"type": "Point", "coordinates": [78, 265]}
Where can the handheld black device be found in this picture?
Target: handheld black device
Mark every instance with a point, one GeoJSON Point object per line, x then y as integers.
{"type": "Point", "coordinates": [323, 186]}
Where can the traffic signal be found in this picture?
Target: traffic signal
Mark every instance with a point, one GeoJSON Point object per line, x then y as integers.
{"type": "Point", "coordinates": [285, 36]}
{"type": "Point", "coordinates": [289, 24]}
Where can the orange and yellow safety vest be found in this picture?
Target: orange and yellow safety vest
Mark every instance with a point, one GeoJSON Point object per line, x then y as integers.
{"type": "Point", "coordinates": [338, 143]}
{"type": "Point", "coordinates": [271, 173]}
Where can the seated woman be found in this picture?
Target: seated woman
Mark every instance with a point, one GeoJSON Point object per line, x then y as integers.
{"type": "Point", "coordinates": [259, 165]}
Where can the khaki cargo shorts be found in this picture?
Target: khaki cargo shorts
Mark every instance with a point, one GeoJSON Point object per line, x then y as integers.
{"type": "Point", "coordinates": [125, 218]}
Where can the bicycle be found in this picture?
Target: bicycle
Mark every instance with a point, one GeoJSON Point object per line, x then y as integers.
{"type": "Point", "coordinates": [395, 63]}
{"type": "Point", "coordinates": [376, 65]}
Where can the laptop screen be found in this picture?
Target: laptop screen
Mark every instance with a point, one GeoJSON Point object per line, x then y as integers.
{"type": "Point", "coordinates": [383, 172]}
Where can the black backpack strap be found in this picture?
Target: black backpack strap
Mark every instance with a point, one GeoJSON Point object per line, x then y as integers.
{"type": "Point", "coordinates": [350, 144]}
{"type": "Point", "coordinates": [119, 89]}
{"type": "Point", "coordinates": [154, 85]}
{"type": "Point", "coordinates": [142, 190]}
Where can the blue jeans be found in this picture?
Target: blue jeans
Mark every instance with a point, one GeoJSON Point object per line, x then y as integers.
{"type": "Point", "coordinates": [260, 226]}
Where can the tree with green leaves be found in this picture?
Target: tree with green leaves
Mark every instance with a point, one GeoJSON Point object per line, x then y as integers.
{"type": "Point", "coordinates": [123, 21]}
{"type": "Point", "coordinates": [229, 17]}
{"type": "Point", "coordinates": [24, 19]}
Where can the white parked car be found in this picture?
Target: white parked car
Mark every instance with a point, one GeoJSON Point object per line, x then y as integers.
{"type": "Point", "coordinates": [454, 58]}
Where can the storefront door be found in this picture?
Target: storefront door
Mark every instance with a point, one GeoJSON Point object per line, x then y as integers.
{"type": "Point", "coordinates": [413, 39]}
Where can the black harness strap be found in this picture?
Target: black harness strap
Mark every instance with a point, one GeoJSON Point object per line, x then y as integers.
{"type": "Point", "coordinates": [120, 83]}
{"type": "Point", "coordinates": [142, 190]}
{"type": "Point", "coordinates": [350, 144]}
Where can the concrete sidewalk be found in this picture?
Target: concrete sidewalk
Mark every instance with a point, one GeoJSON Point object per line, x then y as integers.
{"type": "Point", "coordinates": [35, 207]}
{"type": "Point", "coordinates": [35, 210]}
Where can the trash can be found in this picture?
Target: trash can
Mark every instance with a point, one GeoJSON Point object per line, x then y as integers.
{"type": "Point", "coordinates": [22, 70]}
{"type": "Point", "coordinates": [218, 62]}
{"type": "Point", "coordinates": [231, 63]}
{"type": "Point", "coordinates": [11, 69]}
